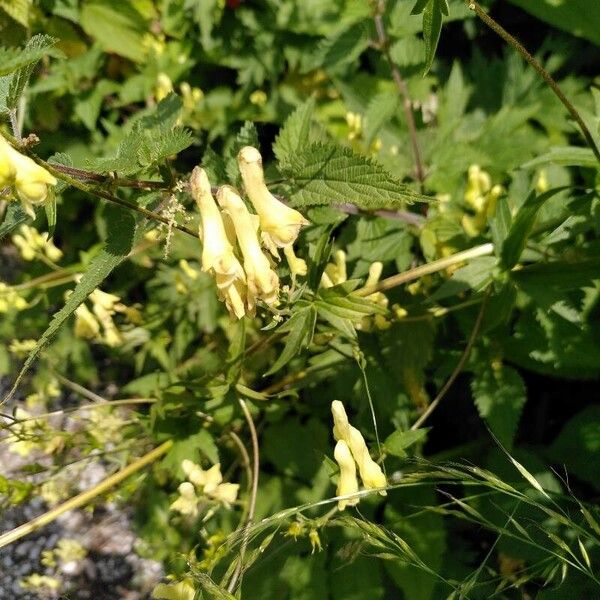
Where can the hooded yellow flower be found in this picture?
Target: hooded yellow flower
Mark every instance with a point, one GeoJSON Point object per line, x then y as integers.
{"type": "Point", "coordinates": [280, 224]}
{"type": "Point", "coordinates": [262, 281]}
{"type": "Point", "coordinates": [187, 503]}
{"type": "Point", "coordinates": [28, 178]}
{"type": "Point", "coordinates": [347, 484]}
{"type": "Point", "coordinates": [210, 482]}
{"type": "Point", "coordinates": [370, 472]}
{"type": "Point", "coordinates": [217, 252]}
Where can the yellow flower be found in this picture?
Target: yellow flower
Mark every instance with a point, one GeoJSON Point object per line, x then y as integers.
{"type": "Point", "coordinates": [36, 581]}
{"type": "Point", "coordinates": [22, 348]}
{"type": "Point", "coordinates": [182, 590]}
{"type": "Point", "coordinates": [86, 325]}
{"type": "Point", "coordinates": [335, 272]}
{"type": "Point", "coordinates": [297, 265]}
{"type": "Point", "coordinates": [280, 224]}
{"type": "Point", "coordinates": [187, 503]}
{"type": "Point", "coordinates": [370, 472]}
{"type": "Point", "coordinates": [348, 483]}
{"type": "Point", "coordinates": [478, 184]}
{"type": "Point", "coordinates": [258, 98]}
{"type": "Point", "coordinates": [28, 178]}
{"type": "Point", "coordinates": [164, 86]}
{"type": "Point", "coordinates": [10, 299]}
{"type": "Point", "coordinates": [262, 281]}
{"type": "Point", "coordinates": [210, 482]}
{"type": "Point", "coordinates": [217, 252]}
{"type": "Point", "coordinates": [30, 242]}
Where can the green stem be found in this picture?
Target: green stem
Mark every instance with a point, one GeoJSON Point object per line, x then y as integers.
{"type": "Point", "coordinates": [509, 39]}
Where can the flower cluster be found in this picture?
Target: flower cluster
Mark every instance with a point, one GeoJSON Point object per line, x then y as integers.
{"type": "Point", "coordinates": [233, 238]}
{"type": "Point", "coordinates": [208, 483]}
{"type": "Point", "coordinates": [481, 198]}
{"type": "Point", "coordinates": [10, 299]}
{"type": "Point", "coordinates": [98, 324]}
{"type": "Point", "coordinates": [24, 177]}
{"type": "Point", "coordinates": [351, 452]}
{"type": "Point", "coordinates": [31, 244]}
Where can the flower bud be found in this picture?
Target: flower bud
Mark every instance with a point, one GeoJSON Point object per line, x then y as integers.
{"type": "Point", "coordinates": [297, 265]}
{"type": "Point", "coordinates": [341, 424]}
{"type": "Point", "coordinates": [7, 169]}
{"type": "Point", "coordinates": [370, 472]}
{"type": "Point", "coordinates": [262, 280]}
{"type": "Point", "coordinates": [280, 224]}
{"type": "Point", "coordinates": [217, 252]}
{"type": "Point", "coordinates": [348, 484]}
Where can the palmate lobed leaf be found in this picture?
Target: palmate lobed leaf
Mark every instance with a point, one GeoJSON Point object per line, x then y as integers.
{"type": "Point", "coordinates": [12, 59]}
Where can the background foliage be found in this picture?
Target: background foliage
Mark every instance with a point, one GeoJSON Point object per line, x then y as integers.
{"type": "Point", "coordinates": [494, 493]}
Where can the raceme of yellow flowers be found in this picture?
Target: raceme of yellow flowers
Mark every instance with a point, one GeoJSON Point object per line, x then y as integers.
{"type": "Point", "coordinates": [351, 452]}
{"type": "Point", "coordinates": [237, 243]}
{"type": "Point", "coordinates": [481, 197]}
{"type": "Point", "coordinates": [25, 179]}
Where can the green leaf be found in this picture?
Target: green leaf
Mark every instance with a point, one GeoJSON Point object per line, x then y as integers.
{"type": "Point", "coordinates": [577, 446]}
{"type": "Point", "coordinates": [340, 49]}
{"type": "Point", "coordinates": [560, 276]}
{"type": "Point", "coordinates": [13, 59]}
{"type": "Point", "coordinates": [515, 241]}
{"type": "Point", "coordinates": [121, 231]}
{"type": "Point", "coordinates": [333, 174]}
{"type": "Point", "coordinates": [301, 326]}
{"type": "Point", "coordinates": [117, 26]}
{"type": "Point", "coordinates": [396, 443]}
{"type": "Point", "coordinates": [20, 78]}
{"type": "Point", "coordinates": [432, 27]}
{"type": "Point", "coordinates": [294, 134]}
{"type": "Point", "coordinates": [474, 276]}
{"type": "Point", "coordinates": [568, 156]}
{"type": "Point", "coordinates": [50, 208]}
{"type": "Point", "coordinates": [500, 395]}
{"type": "Point", "coordinates": [382, 107]}
{"type": "Point", "coordinates": [13, 217]}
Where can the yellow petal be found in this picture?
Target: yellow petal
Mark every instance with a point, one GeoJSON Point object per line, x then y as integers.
{"type": "Point", "coordinates": [348, 483]}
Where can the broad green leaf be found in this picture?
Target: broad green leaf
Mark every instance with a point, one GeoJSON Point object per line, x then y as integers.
{"type": "Point", "coordinates": [560, 276]}
{"type": "Point", "coordinates": [116, 25]}
{"type": "Point", "coordinates": [121, 231]}
{"type": "Point", "coordinates": [332, 174]}
{"type": "Point", "coordinates": [12, 59]}
{"type": "Point", "coordinates": [382, 107]}
{"type": "Point", "coordinates": [500, 395]}
{"type": "Point", "coordinates": [577, 446]}
{"type": "Point", "coordinates": [578, 17]}
{"type": "Point", "coordinates": [396, 443]}
{"type": "Point", "coordinates": [341, 49]}
{"type": "Point", "coordinates": [294, 134]}
{"type": "Point", "coordinates": [474, 276]}
{"type": "Point", "coordinates": [522, 226]}
{"type": "Point", "coordinates": [13, 217]}
{"type": "Point", "coordinates": [432, 27]}
{"type": "Point", "coordinates": [300, 327]}
{"type": "Point", "coordinates": [568, 156]}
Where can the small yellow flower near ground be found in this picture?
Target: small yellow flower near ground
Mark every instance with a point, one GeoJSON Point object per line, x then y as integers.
{"type": "Point", "coordinates": [258, 98]}
{"type": "Point", "coordinates": [21, 348]}
{"type": "Point", "coordinates": [279, 224]}
{"type": "Point", "coordinates": [10, 299]}
{"type": "Point", "coordinates": [39, 582]}
{"type": "Point", "coordinates": [210, 482]}
{"type": "Point", "coordinates": [187, 503]}
{"type": "Point", "coordinates": [348, 483]}
{"type": "Point", "coordinates": [182, 590]}
{"type": "Point", "coordinates": [25, 436]}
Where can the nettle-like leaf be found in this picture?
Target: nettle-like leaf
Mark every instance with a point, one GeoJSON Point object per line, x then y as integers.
{"type": "Point", "coordinates": [328, 173]}
{"type": "Point", "coordinates": [382, 107]}
{"type": "Point", "coordinates": [121, 228]}
{"type": "Point", "coordinates": [500, 395]}
{"type": "Point", "coordinates": [294, 134]}
{"type": "Point", "coordinates": [13, 217]}
{"type": "Point", "coordinates": [13, 59]}
{"type": "Point", "coordinates": [433, 11]}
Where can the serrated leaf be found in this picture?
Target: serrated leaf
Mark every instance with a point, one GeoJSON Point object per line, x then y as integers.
{"type": "Point", "coordinates": [20, 78]}
{"type": "Point", "coordinates": [121, 232]}
{"type": "Point", "coordinates": [474, 276]}
{"type": "Point", "coordinates": [432, 27]}
{"type": "Point", "coordinates": [500, 396]}
{"type": "Point", "coordinates": [166, 113]}
{"type": "Point", "coordinates": [161, 143]}
{"type": "Point", "coordinates": [12, 59]}
{"type": "Point", "coordinates": [326, 174]}
{"type": "Point", "coordinates": [567, 156]}
{"type": "Point", "coordinates": [408, 51]}
{"type": "Point", "coordinates": [419, 7]}
{"type": "Point", "coordinates": [301, 326]}
{"type": "Point", "coordinates": [13, 217]}
{"type": "Point", "coordinates": [51, 212]}
{"type": "Point", "coordinates": [246, 136]}
{"type": "Point", "coordinates": [294, 134]}
{"type": "Point", "coordinates": [515, 241]}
